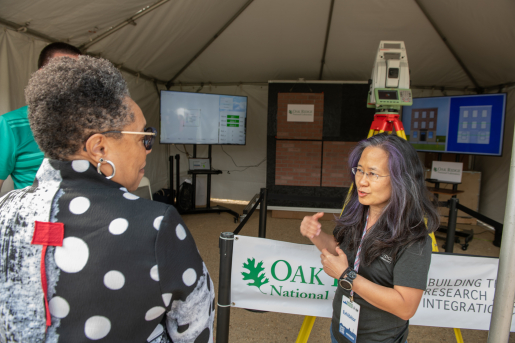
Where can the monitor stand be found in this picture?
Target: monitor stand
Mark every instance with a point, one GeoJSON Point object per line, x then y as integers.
{"type": "Point", "coordinates": [194, 173]}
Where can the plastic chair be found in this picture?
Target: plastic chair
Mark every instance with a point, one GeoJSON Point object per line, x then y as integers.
{"type": "Point", "coordinates": [146, 182]}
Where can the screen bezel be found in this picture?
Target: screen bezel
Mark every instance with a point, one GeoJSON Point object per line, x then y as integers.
{"type": "Point", "coordinates": [190, 143]}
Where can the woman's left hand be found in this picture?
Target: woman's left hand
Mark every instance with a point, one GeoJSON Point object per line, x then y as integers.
{"type": "Point", "coordinates": [334, 265]}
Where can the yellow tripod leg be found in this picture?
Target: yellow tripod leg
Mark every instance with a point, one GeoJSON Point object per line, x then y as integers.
{"type": "Point", "coordinates": [459, 337]}
{"type": "Point", "coordinates": [305, 329]}
{"type": "Point", "coordinates": [457, 332]}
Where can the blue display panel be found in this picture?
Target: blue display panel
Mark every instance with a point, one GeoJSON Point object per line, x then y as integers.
{"type": "Point", "coordinates": [198, 118]}
{"type": "Point", "coordinates": [469, 124]}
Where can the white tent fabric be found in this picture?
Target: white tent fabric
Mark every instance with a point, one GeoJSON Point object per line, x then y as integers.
{"type": "Point", "coordinates": [269, 40]}
{"type": "Point", "coordinates": [285, 39]}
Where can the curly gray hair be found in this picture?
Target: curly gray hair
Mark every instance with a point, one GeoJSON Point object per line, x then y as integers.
{"type": "Point", "coordinates": [71, 99]}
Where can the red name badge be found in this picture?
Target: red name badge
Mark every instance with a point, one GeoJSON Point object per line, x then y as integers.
{"type": "Point", "coordinates": [47, 234]}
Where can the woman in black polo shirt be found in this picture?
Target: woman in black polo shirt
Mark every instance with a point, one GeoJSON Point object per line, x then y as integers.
{"type": "Point", "coordinates": [380, 249]}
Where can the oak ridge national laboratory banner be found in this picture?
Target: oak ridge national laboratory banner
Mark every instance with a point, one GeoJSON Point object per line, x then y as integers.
{"type": "Point", "coordinates": [286, 277]}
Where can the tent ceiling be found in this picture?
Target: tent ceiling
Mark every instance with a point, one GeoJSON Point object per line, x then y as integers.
{"type": "Point", "coordinates": [285, 39]}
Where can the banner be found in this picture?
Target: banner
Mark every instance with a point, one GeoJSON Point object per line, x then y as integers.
{"type": "Point", "coordinates": [460, 292]}
{"type": "Point", "coordinates": [276, 276]}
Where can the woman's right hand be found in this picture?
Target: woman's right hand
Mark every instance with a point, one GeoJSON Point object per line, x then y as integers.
{"type": "Point", "coordinates": [310, 227]}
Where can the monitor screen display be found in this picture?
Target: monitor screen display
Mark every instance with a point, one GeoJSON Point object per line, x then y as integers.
{"type": "Point", "coordinates": [387, 95]}
{"type": "Point", "coordinates": [198, 118]}
{"type": "Point", "coordinates": [466, 124]}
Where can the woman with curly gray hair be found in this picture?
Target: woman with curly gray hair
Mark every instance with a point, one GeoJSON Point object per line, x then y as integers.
{"type": "Point", "coordinates": [82, 258]}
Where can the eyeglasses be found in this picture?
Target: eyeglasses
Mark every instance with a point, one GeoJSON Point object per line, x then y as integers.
{"type": "Point", "coordinates": [147, 141]}
{"type": "Point", "coordinates": [371, 176]}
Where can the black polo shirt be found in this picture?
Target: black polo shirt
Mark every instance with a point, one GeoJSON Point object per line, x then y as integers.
{"type": "Point", "coordinates": [409, 269]}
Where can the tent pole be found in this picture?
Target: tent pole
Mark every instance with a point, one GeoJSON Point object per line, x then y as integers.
{"type": "Point", "coordinates": [170, 83]}
{"type": "Point", "coordinates": [26, 30]}
{"type": "Point", "coordinates": [326, 39]}
{"type": "Point", "coordinates": [479, 89]}
{"type": "Point", "coordinates": [505, 285]}
{"type": "Point", "coordinates": [131, 20]}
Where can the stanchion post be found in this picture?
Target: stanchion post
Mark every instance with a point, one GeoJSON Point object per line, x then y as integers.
{"type": "Point", "coordinates": [172, 200]}
{"type": "Point", "coordinates": [177, 177]}
{"type": "Point", "coordinates": [451, 227]}
{"type": "Point", "coordinates": [262, 214]}
{"type": "Point", "coordinates": [505, 288]}
{"type": "Point", "coordinates": [224, 287]}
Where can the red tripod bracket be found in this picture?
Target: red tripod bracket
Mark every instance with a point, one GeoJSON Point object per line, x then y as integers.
{"type": "Point", "coordinates": [386, 122]}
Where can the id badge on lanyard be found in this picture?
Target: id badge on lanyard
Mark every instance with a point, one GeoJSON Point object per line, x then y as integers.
{"type": "Point", "coordinates": [349, 315]}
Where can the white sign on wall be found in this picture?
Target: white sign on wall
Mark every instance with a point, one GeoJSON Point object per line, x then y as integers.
{"type": "Point", "coordinates": [302, 113]}
{"type": "Point", "coordinates": [447, 171]}
{"type": "Point", "coordinates": [276, 276]}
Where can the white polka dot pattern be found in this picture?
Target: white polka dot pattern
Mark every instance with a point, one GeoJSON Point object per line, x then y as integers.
{"type": "Point", "coordinates": [189, 277]}
{"type": "Point", "coordinates": [72, 256]}
{"type": "Point", "coordinates": [167, 297]}
{"type": "Point", "coordinates": [118, 226]}
{"type": "Point", "coordinates": [130, 196]}
{"type": "Point", "coordinates": [154, 273]}
{"type": "Point", "coordinates": [79, 205]}
{"type": "Point", "coordinates": [58, 307]}
{"type": "Point", "coordinates": [80, 166]}
{"type": "Point", "coordinates": [157, 222]}
{"type": "Point", "coordinates": [157, 331]}
{"type": "Point", "coordinates": [180, 232]}
{"type": "Point", "coordinates": [154, 313]}
{"type": "Point", "coordinates": [123, 189]}
{"type": "Point", "coordinates": [97, 327]}
{"type": "Point", "coordinates": [114, 280]}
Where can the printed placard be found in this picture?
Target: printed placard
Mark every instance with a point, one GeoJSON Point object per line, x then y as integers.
{"type": "Point", "coordinates": [302, 113]}
{"type": "Point", "coordinates": [447, 171]}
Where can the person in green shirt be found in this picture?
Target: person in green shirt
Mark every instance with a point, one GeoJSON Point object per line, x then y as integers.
{"type": "Point", "coordinates": [20, 156]}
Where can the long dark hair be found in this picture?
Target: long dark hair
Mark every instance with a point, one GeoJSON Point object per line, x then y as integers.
{"type": "Point", "coordinates": [402, 220]}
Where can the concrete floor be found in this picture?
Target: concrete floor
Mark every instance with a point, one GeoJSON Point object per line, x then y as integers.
{"type": "Point", "coordinates": [246, 326]}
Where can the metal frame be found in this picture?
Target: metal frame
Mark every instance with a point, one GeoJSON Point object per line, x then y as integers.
{"type": "Point", "coordinates": [479, 89]}
{"type": "Point", "coordinates": [233, 18]}
{"type": "Point", "coordinates": [326, 39]}
{"type": "Point", "coordinates": [505, 288]}
{"type": "Point", "coordinates": [26, 30]}
{"type": "Point", "coordinates": [130, 21]}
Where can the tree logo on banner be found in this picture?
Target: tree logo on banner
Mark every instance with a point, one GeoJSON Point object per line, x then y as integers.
{"type": "Point", "coordinates": [255, 273]}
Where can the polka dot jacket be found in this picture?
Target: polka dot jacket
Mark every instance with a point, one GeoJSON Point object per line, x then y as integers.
{"type": "Point", "coordinates": [128, 269]}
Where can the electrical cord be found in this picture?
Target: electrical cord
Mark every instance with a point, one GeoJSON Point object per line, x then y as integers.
{"type": "Point", "coordinates": [234, 162]}
{"type": "Point", "coordinates": [184, 152]}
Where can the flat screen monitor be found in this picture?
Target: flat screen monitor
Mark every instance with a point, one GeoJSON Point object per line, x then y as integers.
{"type": "Point", "coordinates": [465, 124]}
{"type": "Point", "coordinates": [198, 118]}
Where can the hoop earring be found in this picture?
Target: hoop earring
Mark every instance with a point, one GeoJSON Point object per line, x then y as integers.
{"type": "Point", "coordinates": [108, 162]}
